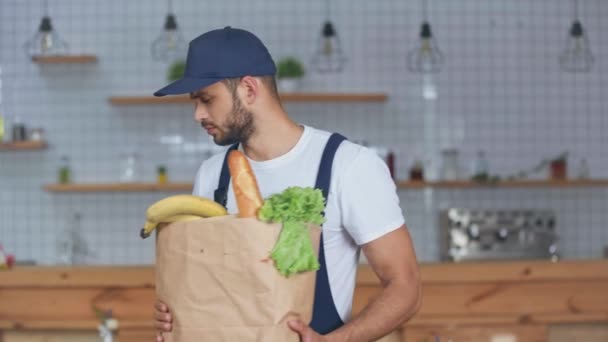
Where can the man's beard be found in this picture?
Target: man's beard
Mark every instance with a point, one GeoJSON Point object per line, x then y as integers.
{"type": "Point", "coordinates": [239, 126]}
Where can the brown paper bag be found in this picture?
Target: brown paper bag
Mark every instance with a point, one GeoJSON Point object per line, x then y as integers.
{"type": "Point", "coordinates": [220, 285]}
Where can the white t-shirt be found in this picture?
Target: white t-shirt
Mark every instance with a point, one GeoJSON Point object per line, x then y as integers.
{"type": "Point", "coordinates": [362, 204]}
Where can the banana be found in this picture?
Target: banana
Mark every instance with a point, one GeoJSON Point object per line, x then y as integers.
{"type": "Point", "coordinates": [179, 208]}
{"type": "Point", "coordinates": [147, 229]}
{"type": "Point", "coordinates": [150, 226]}
{"type": "Point", "coordinates": [181, 218]}
{"type": "Point", "coordinates": [184, 205]}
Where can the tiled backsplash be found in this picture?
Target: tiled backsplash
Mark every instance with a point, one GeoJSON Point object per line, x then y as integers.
{"type": "Point", "coordinates": [501, 90]}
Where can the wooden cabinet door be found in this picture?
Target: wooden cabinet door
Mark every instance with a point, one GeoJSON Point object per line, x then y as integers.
{"type": "Point", "coordinates": [136, 335]}
{"type": "Point", "coordinates": [50, 336]}
{"type": "Point", "coordinates": [578, 332]}
{"type": "Point", "coordinates": [506, 333]}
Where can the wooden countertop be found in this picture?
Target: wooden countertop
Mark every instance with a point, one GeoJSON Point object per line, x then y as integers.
{"type": "Point", "coordinates": [143, 276]}
{"type": "Point", "coordinates": [473, 293]}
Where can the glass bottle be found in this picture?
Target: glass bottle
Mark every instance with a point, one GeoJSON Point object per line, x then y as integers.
{"type": "Point", "coordinates": [129, 172]}
{"type": "Point", "coordinates": [71, 246]}
{"type": "Point", "coordinates": [583, 169]}
{"type": "Point", "coordinates": [65, 173]}
{"type": "Point", "coordinates": [1, 128]}
{"type": "Point", "coordinates": [19, 132]}
{"type": "Point", "coordinates": [64, 248]}
{"type": "Point", "coordinates": [481, 164]}
{"type": "Point", "coordinates": [161, 174]}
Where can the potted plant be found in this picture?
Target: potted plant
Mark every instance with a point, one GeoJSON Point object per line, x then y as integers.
{"type": "Point", "coordinates": [289, 73]}
{"type": "Point", "coordinates": [176, 70]}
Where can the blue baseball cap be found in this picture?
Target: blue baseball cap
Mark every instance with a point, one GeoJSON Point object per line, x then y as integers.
{"type": "Point", "coordinates": [220, 54]}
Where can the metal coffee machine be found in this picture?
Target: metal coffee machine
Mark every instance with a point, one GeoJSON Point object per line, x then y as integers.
{"type": "Point", "coordinates": [482, 234]}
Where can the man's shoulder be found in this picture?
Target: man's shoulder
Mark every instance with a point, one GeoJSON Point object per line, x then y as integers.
{"type": "Point", "coordinates": [348, 149]}
{"type": "Point", "coordinates": [348, 154]}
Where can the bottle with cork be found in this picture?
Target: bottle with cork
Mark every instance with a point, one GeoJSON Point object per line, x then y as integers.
{"type": "Point", "coordinates": [161, 174]}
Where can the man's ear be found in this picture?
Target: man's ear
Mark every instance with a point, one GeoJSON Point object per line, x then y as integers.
{"type": "Point", "coordinates": [250, 89]}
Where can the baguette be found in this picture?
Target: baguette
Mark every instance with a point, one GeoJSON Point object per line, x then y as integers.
{"type": "Point", "coordinates": [244, 184]}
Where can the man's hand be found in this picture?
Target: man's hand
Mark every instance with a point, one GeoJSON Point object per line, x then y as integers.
{"type": "Point", "coordinates": [162, 319]}
{"type": "Point", "coordinates": [306, 333]}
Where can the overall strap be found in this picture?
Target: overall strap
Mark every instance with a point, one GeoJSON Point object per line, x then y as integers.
{"type": "Point", "coordinates": [327, 160]}
{"type": "Point", "coordinates": [325, 316]}
{"type": "Point", "coordinates": [221, 193]}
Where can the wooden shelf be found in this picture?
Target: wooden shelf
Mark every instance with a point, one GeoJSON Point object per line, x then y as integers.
{"type": "Point", "coordinates": [464, 184]}
{"type": "Point", "coordinates": [187, 187]}
{"type": "Point", "coordinates": [23, 146]}
{"type": "Point", "coordinates": [286, 97]}
{"type": "Point", "coordinates": [119, 187]}
{"type": "Point", "coordinates": [65, 59]}
{"type": "Point", "coordinates": [149, 100]}
{"type": "Point", "coordinates": [333, 97]}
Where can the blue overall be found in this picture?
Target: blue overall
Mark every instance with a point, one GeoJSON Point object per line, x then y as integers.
{"type": "Point", "coordinates": [325, 317]}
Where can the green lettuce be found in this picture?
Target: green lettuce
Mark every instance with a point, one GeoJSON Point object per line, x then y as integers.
{"type": "Point", "coordinates": [294, 208]}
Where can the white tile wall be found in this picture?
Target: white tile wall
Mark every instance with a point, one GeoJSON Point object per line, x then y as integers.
{"type": "Point", "coordinates": [501, 90]}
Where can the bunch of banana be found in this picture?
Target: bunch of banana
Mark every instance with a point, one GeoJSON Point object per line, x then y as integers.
{"type": "Point", "coordinates": [179, 208]}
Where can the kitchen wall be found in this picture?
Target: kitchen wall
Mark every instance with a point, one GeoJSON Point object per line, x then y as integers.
{"type": "Point", "coordinates": [501, 90]}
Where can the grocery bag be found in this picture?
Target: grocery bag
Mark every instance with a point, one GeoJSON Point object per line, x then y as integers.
{"type": "Point", "coordinates": [217, 279]}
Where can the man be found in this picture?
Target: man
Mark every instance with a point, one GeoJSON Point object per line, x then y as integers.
{"type": "Point", "coordinates": [230, 75]}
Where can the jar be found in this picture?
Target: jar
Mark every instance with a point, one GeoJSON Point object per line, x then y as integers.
{"type": "Point", "coordinates": [19, 131]}
{"type": "Point", "coordinates": [417, 171]}
{"type": "Point", "coordinates": [37, 134]}
{"type": "Point", "coordinates": [450, 169]}
{"type": "Point", "coordinates": [480, 165]}
{"type": "Point", "coordinates": [559, 169]}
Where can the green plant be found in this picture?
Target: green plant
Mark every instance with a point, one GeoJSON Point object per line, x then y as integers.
{"type": "Point", "coordinates": [290, 67]}
{"type": "Point", "coordinates": [176, 71]}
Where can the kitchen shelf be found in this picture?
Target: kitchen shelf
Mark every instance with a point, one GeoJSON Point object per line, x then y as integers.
{"type": "Point", "coordinates": [152, 187]}
{"type": "Point", "coordinates": [286, 97]}
{"type": "Point", "coordinates": [333, 97]}
{"type": "Point", "coordinates": [464, 184]}
{"type": "Point", "coordinates": [119, 187]}
{"type": "Point", "coordinates": [65, 59]}
{"type": "Point", "coordinates": [23, 146]}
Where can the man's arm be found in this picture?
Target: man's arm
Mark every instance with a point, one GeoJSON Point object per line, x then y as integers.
{"type": "Point", "coordinates": [393, 259]}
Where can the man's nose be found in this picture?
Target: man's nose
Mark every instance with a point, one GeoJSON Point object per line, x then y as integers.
{"type": "Point", "coordinates": [200, 113]}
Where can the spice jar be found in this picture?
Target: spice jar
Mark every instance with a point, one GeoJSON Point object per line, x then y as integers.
{"type": "Point", "coordinates": [417, 171]}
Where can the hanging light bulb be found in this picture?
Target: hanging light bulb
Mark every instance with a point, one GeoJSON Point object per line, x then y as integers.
{"type": "Point", "coordinates": [169, 45]}
{"type": "Point", "coordinates": [577, 56]}
{"type": "Point", "coordinates": [328, 56]}
{"type": "Point", "coordinates": [426, 57]}
{"type": "Point", "coordinates": [46, 41]}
